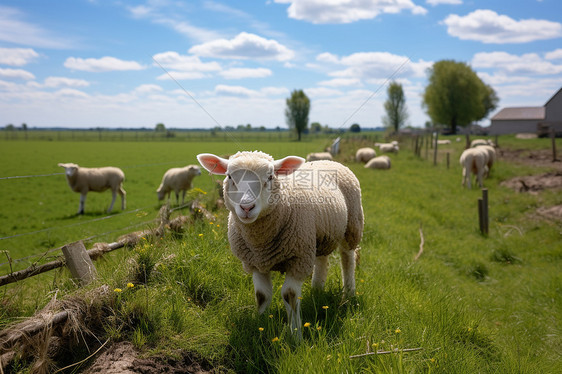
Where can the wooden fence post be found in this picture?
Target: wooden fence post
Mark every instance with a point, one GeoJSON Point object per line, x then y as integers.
{"type": "Point", "coordinates": [485, 209]}
{"type": "Point", "coordinates": [79, 262]}
{"type": "Point", "coordinates": [435, 149]}
{"type": "Point", "coordinates": [481, 215]}
{"type": "Point", "coordinates": [448, 160]}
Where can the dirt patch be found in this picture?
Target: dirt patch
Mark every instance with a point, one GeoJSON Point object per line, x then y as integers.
{"type": "Point", "coordinates": [123, 358]}
{"type": "Point", "coordinates": [535, 183]}
{"type": "Point", "coordinates": [538, 158]}
{"type": "Point", "coordinates": [553, 213]}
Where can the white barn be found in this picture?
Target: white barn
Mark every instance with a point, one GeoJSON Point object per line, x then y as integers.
{"type": "Point", "coordinates": [536, 120]}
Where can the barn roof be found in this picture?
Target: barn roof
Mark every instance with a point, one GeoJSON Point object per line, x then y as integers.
{"type": "Point", "coordinates": [520, 113]}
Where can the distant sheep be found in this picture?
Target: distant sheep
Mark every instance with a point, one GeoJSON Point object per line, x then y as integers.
{"type": "Point", "coordinates": [388, 147]}
{"type": "Point", "coordinates": [443, 141]}
{"type": "Point", "coordinates": [474, 161]}
{"type": "Point", "coordinates": [177, 179]}
{"type": "Point", "coordinates": [319, 156]}
{"type": "Point", "coordinates": [381, 162]}
{"type": "Point", "coordinates": [477, 142]}
{"type": "Point", "coordinates": [83, 180]}
{"type": "Point", "coordinates": [365, 154]}
{"type": "Point", "coordinates": [278, 224]}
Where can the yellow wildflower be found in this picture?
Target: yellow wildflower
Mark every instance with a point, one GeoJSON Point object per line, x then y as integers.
{"type": "Point", "coordinates": [211, 223]}
{"type": "Point", "coordinates": [200, 235]}
{"type": "Point", "coordinates": [307, 324]}
{"type": "Point", "coordinates": [325, 307]}
{"type": "Point", "coordinates": [398, 331]}
{"type": "Point", "coordinates": [319, 328]}
{"type": "Point", "coordinates": [271, 316]}
{"type": "Point", "coordinates": [275, 339]}
{"type": "Point", "coordinates": [117, 290]}
{"type": "Point", "coordinates": [260, 328]}
{"type": "Point", "coordinates": [130, 285]}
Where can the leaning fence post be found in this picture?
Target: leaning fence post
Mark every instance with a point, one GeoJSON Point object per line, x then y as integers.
{"type": "Point", "coordinates": [447, 160]}
{"type": "Point", "coordinates": [79, 262]}
{"type": "Point", "coordinates": [435, 149]}
{"type": "Point", "coordinates": [481, 215]}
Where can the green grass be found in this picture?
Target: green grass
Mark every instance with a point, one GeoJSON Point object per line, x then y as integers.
{"type": "Point", "coordinates": [474, 304]}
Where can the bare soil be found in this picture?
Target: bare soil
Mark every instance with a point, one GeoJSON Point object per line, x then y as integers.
{"type": "Point", "coordinates": [535, 183]}
{"type": "Point", "coordinates": [538, 158]}
{"type": "Point", "coordinates": [123, 358]}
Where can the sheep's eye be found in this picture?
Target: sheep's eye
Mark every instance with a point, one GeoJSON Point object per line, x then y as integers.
{"type": "Point", "coordinates": [270, 178]}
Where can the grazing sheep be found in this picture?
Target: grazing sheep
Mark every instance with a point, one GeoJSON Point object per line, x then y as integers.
{"type": "Point", "coordinates": [381, 162]}
{"type": "Point", "coordinates": [443, 141]}
{"type": "Point", "coordinates": [491, 157]}
{"type": "Point", "coordinates": [365, 154]}
{"type": "Point", "coordinates": [177, 179]}
{"type": "Point", "coordinates": [82, 180]}
{"type": "Point", "coordinates": [288, 216]}
{"type": "Point", "coordinates": [319, 156]}
{"type": "Point", "coordinates": [473, 161]}
{"type": "Point", "coordinates": [389, 147]}
{"type": "Point", "coordinates": [477, 142]}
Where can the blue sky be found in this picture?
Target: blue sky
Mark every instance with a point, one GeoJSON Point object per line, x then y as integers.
{"type": "Point", "coordinates": [223, 63]}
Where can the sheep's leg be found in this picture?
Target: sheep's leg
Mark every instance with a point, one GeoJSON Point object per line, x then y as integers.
{"type": "Point", "coordinates": [177, 197]}
{"type": "Point", "coordinates": [463, 176]}
{"type": "Point", "coordinates": [263, 289]}
{"type": "Point", "coordinates": [348, 271]}
{"type": "Point", "coordinates": [123, 198]}
{"type": "Point", "coordinates": [113, 197]}
{"type": "Point", "coordinates": [182, 197]}
{"type": "Point", "coordinates": [320, 272]}
{"type": "Point", "coordinates": [82, 202]}
{"type": "Point", "coordinates": [291, 292]}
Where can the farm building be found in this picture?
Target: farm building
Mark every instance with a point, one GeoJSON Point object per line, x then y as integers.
{"type": "Point", "coordinates": [537, 120]}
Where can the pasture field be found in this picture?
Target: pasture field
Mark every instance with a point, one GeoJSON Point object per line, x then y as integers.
{"type": "Point", "coordinates": [472, 303]}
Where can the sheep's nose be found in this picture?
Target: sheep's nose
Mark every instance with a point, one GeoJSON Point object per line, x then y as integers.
{"type": "Point", "coordinates": [248, 207]}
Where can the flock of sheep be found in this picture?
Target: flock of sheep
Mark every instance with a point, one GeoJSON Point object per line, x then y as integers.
{"type": "Point", "coordinates": [274, 223]}
{"type": "Point", "coordinates": [83, 180]}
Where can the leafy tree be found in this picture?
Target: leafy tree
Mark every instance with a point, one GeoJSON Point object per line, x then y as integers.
{"type": "Point", "coordinates": [456, 96]}
{"type": "Point", "coordinates": [298, 107]}
{"type": "Point", "coordinates": [10, 127]}
{"type": "Point", "coordinates": [315, 127]}
{"type": "Point", "coordinates": [355, 128]}
{"type": "Point", "coordinates": [395, 106]}
{"type": "Point", "coordinates": [160, 128]}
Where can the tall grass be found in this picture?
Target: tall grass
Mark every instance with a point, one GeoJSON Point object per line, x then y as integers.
{"type": "Point", "coordinates": [472, 303]}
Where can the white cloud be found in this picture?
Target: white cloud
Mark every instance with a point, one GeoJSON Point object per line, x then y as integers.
{"type": "Point", "coordinates": [182, 75]}
{"type": "Point", "coordinates": [341, 82]}
{"type": "Point", "coordinates": [17, 56]}
{"type": "Point", "coordinates": [241, 73]}
{"type": "Point", "coordinates": [147, 89]}
{"type": "Point", "coordinates": [322, 92]}
{"type": "Point", "coordinates": [16, 74]}
{"type": "Point", "coordinates": [237, 91]}
{"type": "Point", "coordinates": [68, 82]}
{"type": "Point", "coordinates": [439, 2]}
{"type": "Point", "coordinates": [244, 46]}
{"type": "Point", "coordinates": [554, 55]}
{"type": "Point", "coordinates": [188, 64]}
{"type": "Point", "coordinates": [374, 65]}
{"type": "Point", "coordinates": [103, 64]}
{"type": "Point", "coordinates": [13, 29]}
{"type": "Point", "coordinates": [71, 93]}
{"type": "Point", "coordinates": [275, 91]}
{"type": "Point", "coordinates": [488, 26]}
{"type": "Point", "coordinates": [528, 63]}
{"type": "Point", "coordinates": [345, 11]}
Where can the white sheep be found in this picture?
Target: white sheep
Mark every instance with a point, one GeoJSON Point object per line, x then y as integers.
{"type": "Point", "coordinates": [319, 156]}
{"type": "Point", "coordinates": [365, 154]}
{"type": "Point", "coordinates": [389, 147]}
{"type": "Point", "coordinates": [443, 141]}
{"type": "Point", "coordinates": [177, 179]}
{"type": "Point", "coordinates": [380, 162]}
{"type": "Point", "coordinates": [477, 142]}
{"type": "Point", "coordinates": [83, 180]}
{"type": "Point", "coordinates": [491, 157]}
{"type": "Point", "coordinates": [473, 161]}
{"type": "Point", "coordinates": [288, 216]}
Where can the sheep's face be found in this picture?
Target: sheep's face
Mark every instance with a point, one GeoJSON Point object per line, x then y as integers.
{"type": "Point", "coordinates": [69, 169]}
{"type": "Point", "coordinates": [194, 170]}
{"type": "Point", "coordinates": [250, 177]}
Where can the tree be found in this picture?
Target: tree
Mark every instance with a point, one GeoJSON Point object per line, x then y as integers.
{"type": "Point", "coordinates": [296, 113]}
{"type": "Point", "coordinates": [315, 127]}
{"type": "Point", "coordinates": [160, 128]}
{"type": "Point", "coordinates": [355, 128]}
{"type": "Point", "coordinates": [395, 107]}
{"type": "Point", "coordinates": [456, 96]}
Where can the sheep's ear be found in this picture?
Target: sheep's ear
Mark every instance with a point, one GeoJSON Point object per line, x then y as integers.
{"type": "Point", "coordinates": [288, 165]}
{"type": "Point", "coordinates": [213, 164]}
